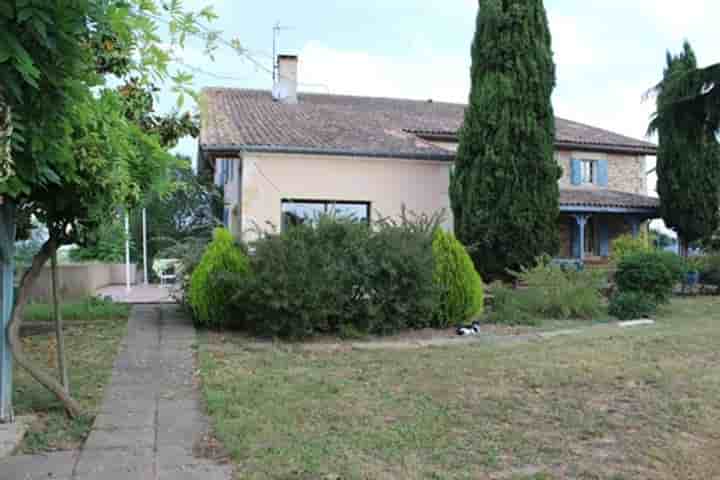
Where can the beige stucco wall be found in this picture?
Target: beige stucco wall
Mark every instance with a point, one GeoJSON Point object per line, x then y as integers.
{"type": "Point", "coordinates": [387, 183]}
{"type": "Point", "coordinates": [261, 181]}
{"type": "Point", "coordinates": [81, 280]}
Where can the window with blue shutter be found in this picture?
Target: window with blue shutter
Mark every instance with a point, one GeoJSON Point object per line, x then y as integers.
{"type": "Point", "coordinates": [575, 171]}
{"type": "Point", "coordinates": [602, 173]}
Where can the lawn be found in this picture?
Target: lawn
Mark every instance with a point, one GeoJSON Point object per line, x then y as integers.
{"type": "Point", "coordinates": [92, 336]}
{"type": "Point", "coordinates": [612, 404]}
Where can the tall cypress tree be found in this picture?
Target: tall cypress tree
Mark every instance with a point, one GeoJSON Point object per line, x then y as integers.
{"type": "Point", "coordinates": [688, 158]}
{"type": "Point", "coordinates": [504, 188]}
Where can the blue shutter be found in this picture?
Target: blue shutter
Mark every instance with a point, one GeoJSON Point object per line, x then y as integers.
{"type": "Point", "coordinates": [602, 173]}
{"type": "Point", "coordinates": [575, 171]}
{"type": "Point", "coordinates": [574, 238]}
{"type": "Point", "coordinates": [604, 233]}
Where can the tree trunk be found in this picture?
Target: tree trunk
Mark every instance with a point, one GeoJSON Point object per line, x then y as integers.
{"type": "Point", "coordinates": [72, 407]}
{"type": "Point", "coordinates": [62, 367]}
{"type": "Point", "coordinates": [7, 169]}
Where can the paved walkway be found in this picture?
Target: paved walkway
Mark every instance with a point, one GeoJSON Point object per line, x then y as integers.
{"type": "Point", "coordinates": [150, 419]}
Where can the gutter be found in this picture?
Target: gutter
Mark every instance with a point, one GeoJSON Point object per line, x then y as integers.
{"type": "Point", "coordinates": [237, 150]}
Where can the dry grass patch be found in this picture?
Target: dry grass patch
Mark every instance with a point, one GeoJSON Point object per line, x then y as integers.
{"type": "Point", "coordinates": [607, 404]}
{"type": "Point", "coordinates": [91, 347]}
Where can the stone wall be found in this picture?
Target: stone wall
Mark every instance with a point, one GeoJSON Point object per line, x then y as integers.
{"type": "Point", "coordinates": [626, 173]}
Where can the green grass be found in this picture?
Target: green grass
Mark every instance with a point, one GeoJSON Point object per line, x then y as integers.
{"type": "Point", "coordinates": [608, 404]}
{"type": "Point", "coordinates": [91, 347]}
{"type": "Point", "coordinates": [89, 309]}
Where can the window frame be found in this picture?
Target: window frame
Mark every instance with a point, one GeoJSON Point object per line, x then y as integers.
{"type": "Point", "coordinates": [326, 209]}
{"type": "Point", "coordinates": [592, 167]}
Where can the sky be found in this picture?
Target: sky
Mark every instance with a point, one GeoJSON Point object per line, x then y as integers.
{"type": "Point", "coordinates": [608, 52]}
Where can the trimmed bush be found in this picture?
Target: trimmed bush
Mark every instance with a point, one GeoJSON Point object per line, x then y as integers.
{"type": "Point", "coordinates": [651, 273]}
{"type": "Point", "coordinates": [632, 305]}
{"type": "Point", "coordinates": [548, 291]}
{"type": "Point", "coordinates": [220, 273]}
{"type": "Point", "coordinates": [459, 286]}
{"type": "Point", "coordinates": [338, 276]}
{"type": "Point", "coordinates": [626, 244]}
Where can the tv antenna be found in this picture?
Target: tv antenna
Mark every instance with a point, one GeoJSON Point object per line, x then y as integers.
{"type": "Point", "coordinates": [277, 28]}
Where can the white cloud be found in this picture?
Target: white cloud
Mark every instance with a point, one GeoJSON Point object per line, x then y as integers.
{"type": "Point", "coordinates": [440, 77]}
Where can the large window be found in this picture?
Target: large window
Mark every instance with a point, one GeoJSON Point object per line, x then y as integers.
{"type": "Point", "coordinates": [297, 212]}
{"type": "Point", "coordinates": [588, 172]}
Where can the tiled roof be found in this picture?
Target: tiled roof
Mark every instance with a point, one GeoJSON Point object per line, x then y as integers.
{"type": "Point", "coordinates": [237, 118]}
{"type": "Point", "coordinates": [604, 198]}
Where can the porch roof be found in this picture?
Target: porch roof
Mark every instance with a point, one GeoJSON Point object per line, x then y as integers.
{"type": "Point", "coordinates": [605, 200]}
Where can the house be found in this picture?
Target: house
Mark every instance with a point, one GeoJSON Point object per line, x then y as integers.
{"type": "Point", "coordinates": [282, 155]}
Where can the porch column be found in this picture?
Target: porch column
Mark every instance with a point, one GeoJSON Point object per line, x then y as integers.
{"type": "Point", "coordinates": [635, 225]}
{"type": "Point", "coordinates": [581, 220]}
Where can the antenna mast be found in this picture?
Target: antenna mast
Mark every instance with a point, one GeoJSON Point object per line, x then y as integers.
{"type": "Point", "coordinates": [277, 28]}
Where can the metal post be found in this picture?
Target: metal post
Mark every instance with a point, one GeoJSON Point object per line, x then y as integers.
{"type": "Point", "coordinates": [127, 251]}
{"type": "Point", "coordinates": [7, 286]}
{"type": "Point", "coordinates": [581, 222]}
{"type": "Point", "coordinates": [145, 253]}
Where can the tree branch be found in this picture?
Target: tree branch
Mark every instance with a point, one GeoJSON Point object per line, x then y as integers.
{"type": "Point", "coordinates": [29, 278]}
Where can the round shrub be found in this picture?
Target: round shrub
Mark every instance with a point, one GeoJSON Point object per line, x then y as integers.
{"type": "Point", "coordinates": [460, 287]}
{"type": "Point", "coordinates": [626, 244]}
{"type": "Point", "coordinates": [710, 270]}
{"type": "Point", "coordinates": [338, 276]}
{"type": "Point", "coordinates": [631, 305]}
{"type": "Point", "coordinates": [652, 273]}
{"type": "Point", "coordinates": [216, 279]}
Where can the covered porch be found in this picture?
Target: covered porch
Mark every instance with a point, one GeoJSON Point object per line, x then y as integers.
{"type": "Point", "coordinates": [591, 218]}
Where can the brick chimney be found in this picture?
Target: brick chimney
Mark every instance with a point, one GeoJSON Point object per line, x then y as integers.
{"type": "Point", "coordinates": [285, 88]}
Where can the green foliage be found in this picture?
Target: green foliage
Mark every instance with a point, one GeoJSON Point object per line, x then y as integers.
{"type": "Point", "coordinates": [709, 268]}
{"type": "Point", "coordinates": [688, 157]}
{"type": "Point", "coordinates": [180, 220]}
{"type": "Point", "coordinates": [504, 188]}
{"type": "Point", "coordinates": [654, 274]}
{"type": "Point", "coordinates": [548, 291]}
{"type": "Point", "coordinates": [626, 244]}
{"type": "Point", "coordinates": [223, 267]}
{"type": "Point", "coordinates": [88, 310]}
{"type": "Point", "coordinates": [459, 285]}
{"type": "Point", "coordinates": [107, 244]}
{"type": "Point", "coordinates": [339, 276]}
{"type": "Point", "coordinates": [631, 305]}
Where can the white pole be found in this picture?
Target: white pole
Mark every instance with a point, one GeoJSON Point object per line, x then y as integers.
{"type": "Point", "coordinates": [145, 255]}
{"type": "Point", "coordinates": [127, 251]}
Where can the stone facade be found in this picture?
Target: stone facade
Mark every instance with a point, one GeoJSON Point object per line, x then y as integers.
{"type": "Point", "coordinates": [626, 173]}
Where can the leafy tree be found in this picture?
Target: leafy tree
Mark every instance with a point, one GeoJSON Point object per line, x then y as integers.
{"type": "Point", "coordinates": [688, 158]}
{"type": "Point", "coordinates": [701, 104]}
{"type": "Point", "coordinates": [504, 189]}
{"type": "Point", "coordinates": [67, 154]}
{"type": "Point", "coordinates": [187, 212]}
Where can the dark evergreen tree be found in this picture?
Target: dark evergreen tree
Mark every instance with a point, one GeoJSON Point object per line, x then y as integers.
{"type": "Point", "coordinates": [688, 158]}
{"type": "Point", "coordinates": [504, 189]}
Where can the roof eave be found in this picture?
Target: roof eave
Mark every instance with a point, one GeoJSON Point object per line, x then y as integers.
{"type": "Point", "coordinates": [562, 144]}
{"type": "Point", "coordinates": [574, 208]}
{"type": "Point", "coordinates": [236, 150]}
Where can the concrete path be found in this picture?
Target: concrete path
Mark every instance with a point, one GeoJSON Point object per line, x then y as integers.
{"type": "Point", "coordinates": [151, 418]}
